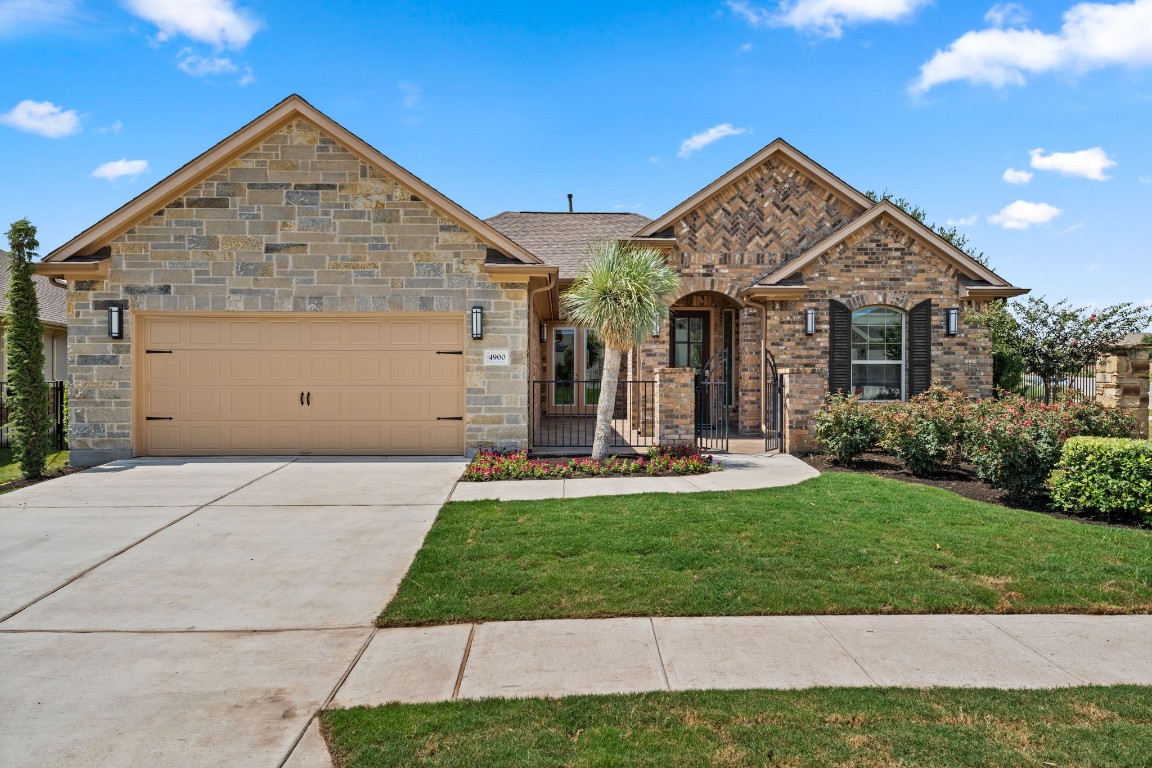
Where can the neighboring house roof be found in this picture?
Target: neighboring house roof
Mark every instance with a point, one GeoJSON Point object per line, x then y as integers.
{"type": "Point", "coordinates": [290, 109]}
{"type": "Point", "coordinates": [963, 261]}
{"type": "Point", "coordinates": [562, 239]}
{"type": "Point", "coordinates": [53, 299]}
{"type": "Point", "coordinates": [805, 163]}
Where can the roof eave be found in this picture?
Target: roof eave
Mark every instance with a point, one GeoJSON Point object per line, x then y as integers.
{"type": "Point", "coordinates": [774, 292]}
{"type": "Point", "coordinates": [73, 270]}
{"type": "Point", "coordinates": [991, 291]}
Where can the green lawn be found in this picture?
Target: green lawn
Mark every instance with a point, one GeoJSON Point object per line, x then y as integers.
{"type": "Point", "coordinates": [10, 469]}
{"type": "Point", "coordinates": [840, 543]}
{"type": "Point", "coordinates": [1098, 727]}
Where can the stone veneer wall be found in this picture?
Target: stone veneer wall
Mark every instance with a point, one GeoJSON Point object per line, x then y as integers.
{"type": "Point", "coordinates": [298, 224]}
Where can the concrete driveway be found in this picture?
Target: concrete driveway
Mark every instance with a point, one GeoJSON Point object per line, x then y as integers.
{"type": "Point", "coordinates": [197, 611]}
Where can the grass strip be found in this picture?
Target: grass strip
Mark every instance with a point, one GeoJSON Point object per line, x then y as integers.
{"type": "Point", "coordinates": [1094, 726]}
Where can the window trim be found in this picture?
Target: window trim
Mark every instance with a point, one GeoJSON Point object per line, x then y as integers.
{"type": "Point", "coordinates": [579, 366]}
{"type": "Point", "coordinates": [903, 363]}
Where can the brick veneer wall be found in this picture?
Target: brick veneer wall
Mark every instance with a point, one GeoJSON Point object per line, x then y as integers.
{"type": "Point", "coordinates": [771, 215]}
{"type": "Point", "coordinates": [296, 224]}
{"type": "Point", "coordinates": [675, 406]}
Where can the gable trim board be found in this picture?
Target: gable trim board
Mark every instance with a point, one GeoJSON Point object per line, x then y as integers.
{"type": "Point", "coordinates": [290, 109]}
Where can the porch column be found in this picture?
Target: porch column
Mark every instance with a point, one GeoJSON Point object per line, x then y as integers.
{"type": "Point", "coordinates": [675, 406]}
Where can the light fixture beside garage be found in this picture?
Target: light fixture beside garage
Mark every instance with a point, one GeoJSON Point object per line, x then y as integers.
{"type": "Point", "coordinates": [543, 333]}
{"type": "Point", "coordinates": [116, 321]}
{"type": "Point", "coordinates": [809, 322]}
{"type": "Point", "coordinates": [477, 322]}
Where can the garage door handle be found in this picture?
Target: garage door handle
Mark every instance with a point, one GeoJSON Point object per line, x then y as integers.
{"type": "Point", "coordinates": [449, 418]}
{"type": "Point", "coordinates": [157, 418]}
{"type": "Point", "coordinates": [450, 353]}
{"type": "Point", "coordinates": [309, 398]}
{"type": "Point", "coordinates": [301, 397]}
{"type": "Point", "coordinates": [157, 351]}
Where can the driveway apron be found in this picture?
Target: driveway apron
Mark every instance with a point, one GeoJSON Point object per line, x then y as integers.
{"type": "Point", "coordinates": [196, 611]}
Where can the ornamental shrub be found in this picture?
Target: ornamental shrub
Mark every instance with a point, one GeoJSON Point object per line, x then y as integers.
{"type": "Point", "coordinates": [29, 421]}
{"type": "Point", "coordinates": [847, 427]}
{"type": "Point", "coordinates": [1016, 443]}
{"type": "Point", "coordinates": [929, 431]}
{"type": "Point", "coordinates": [1110, 477]}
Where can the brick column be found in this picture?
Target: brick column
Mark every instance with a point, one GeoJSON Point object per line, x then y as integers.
{"type": "Point", "coordinates": [675, 406]}
{"type": "Point", "coordinates": [803, 395]}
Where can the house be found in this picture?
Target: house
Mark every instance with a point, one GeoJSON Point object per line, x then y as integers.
{"type": "Point", "coordinates": [292, 291]}
{"type": "Point", "coordinates": [53, 303]}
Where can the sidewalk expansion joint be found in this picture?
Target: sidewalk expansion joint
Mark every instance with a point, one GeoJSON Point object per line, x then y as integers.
{"type": "Point", "coordinates": [849, 653]}
{"type": "Point", "coordinates": [1041, 656]}
{"type": "Point", "coordinates": [463, 663]}
{"type": "Point", "coordinates": [659, 654]}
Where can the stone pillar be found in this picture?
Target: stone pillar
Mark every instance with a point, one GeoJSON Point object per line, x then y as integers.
{"type": "Point", "coordinates": [1122, 382]}
{"type": "Point", "coordinates": [675, 406]}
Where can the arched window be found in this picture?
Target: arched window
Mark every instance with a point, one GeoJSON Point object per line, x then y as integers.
{"type": "Point", "coordinates": [878, 353]}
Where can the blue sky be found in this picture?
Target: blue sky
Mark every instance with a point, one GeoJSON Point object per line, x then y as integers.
{"type": "Point", "coordinates": [1026, 124]}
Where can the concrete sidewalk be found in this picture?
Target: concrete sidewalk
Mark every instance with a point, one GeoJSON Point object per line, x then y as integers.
{"type": "Point", "coordinates": [740, 473]}
{"type": "Point", "coordinates": [602, 656]}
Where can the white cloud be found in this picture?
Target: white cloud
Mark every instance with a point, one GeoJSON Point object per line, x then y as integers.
{"type": "Point", "coordinates": [115, 128]}
{"type": "Point", "coordinates": [700, 140]}
{"type": "Point", "coordinates": [745, 48]}
{"type": "Point", "coordinates": [42, 117]}
{"type": "Point", "coordinates": [1087, 163]}
{"type": "Point", "coordinates": [18, 14]}
{"type": "Point", "coordinates": [247, 78]}
{"type": "Point", "coordinates": [200, 66]}
{"type": "Point", "coordinates": [412, 95]}
{"type": "Point", "coordinates": [1013, 176]}
{"type": "Point", "coordinates": [118, 168]}
{"type": "Point", "coordinates": [216, 22]}
{"type": "Point", "coordinates": [826, 18]}
{"type": "Point", "coordinates": [964, 221]}
{"type": "Point", "coordinates": [1145, 179]}
{"type": "Point", "coordinates": [1093, 36]}
{"type": "Point", "coordinates": [1022, 215]}
{"type": "Point", "coordinates": [1006, 15]}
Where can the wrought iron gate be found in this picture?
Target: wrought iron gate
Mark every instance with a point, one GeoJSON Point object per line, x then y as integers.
{"type": "Point", "coordinates": [773, 405]}
{"type": "Point", "coordinates": [713, 402]}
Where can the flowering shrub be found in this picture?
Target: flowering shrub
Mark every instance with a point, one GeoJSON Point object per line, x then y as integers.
{"type": "Point", "coordinates": [929, 431]}
{"type": "Point", "coordinates": [846, 427]}
{"type": "Point", "coordinates": [1016, 443]}
{"type": "Point", "coordinates": [515, 465]}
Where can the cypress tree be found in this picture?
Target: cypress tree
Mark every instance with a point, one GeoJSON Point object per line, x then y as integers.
{"type": "Point", "coordinates": [29, 418]}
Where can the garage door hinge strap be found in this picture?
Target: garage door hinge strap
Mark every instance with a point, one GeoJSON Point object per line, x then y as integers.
{"type": "Point", "coordinates": [157, 351]}
{"type": "Point", "coordinates": [449, 418]}
{"type": "Point", "coordinates": [460, 352]}
{"type": "Point", "coordinates": [157, 418]}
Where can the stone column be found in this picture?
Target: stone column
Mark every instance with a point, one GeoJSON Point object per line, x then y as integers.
{"type": "Point", "coordinates": [1122, 382]}
{"type": "Point", "coordinates": [675, 406]}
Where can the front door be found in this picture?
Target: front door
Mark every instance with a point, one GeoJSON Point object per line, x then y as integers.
{"type": "Point", "coordinates": [690, 337]}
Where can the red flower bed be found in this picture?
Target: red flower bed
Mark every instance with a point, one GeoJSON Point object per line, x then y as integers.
{"type": "Point", "coordinates": [660, 461]}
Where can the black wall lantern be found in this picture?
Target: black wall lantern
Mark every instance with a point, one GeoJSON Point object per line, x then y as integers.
{"type": "Point", "coordinates": [543, 333]}
{"type": "Point", "coordinates": [477, 322]}
{"type": "Point", "coordinates": [116, 321]}
{"type": "Point", "coordinates": [952, 321]}
{"type": "Point", "coordinates": [809, 322]}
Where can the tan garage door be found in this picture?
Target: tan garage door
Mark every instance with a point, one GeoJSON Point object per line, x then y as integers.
{"type": "Point", "coordinates": [301, 384]}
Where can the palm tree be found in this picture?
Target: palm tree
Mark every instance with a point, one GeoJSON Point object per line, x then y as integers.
{"type": "Point", "coordinates": [622, 294]}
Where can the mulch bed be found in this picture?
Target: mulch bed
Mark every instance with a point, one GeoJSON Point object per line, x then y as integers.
{"type": "Point", "coordinates": [52, 474]}
{"type": "Point", "coordinates": [961, 480]}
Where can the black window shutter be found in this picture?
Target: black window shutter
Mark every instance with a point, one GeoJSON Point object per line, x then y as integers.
{"type": "Point", "coordinates": [839, 347]}
{"type": "Point", "coordinates": [920, 348]}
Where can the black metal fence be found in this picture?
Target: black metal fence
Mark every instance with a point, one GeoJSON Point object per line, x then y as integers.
{"type": "Point", "coordinates": [563, 414]}
{"type": "Point", "coordinates": [1080, 386]}
{"type": "Point", "coordinates": [55, 407]}
{"type": "Point", "coordinates": [773, 407]}
{"type": "Point", "coordinates": [713, 403]}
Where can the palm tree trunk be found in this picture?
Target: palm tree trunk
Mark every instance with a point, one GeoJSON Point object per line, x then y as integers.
{"type": "Point", "coordinates": [607, 403]}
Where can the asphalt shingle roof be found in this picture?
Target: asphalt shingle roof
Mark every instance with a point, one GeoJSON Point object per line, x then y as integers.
{"type": "Point", "coordinates": [562, 239]}
{"type": "Point", "coordinates": [52, 298]}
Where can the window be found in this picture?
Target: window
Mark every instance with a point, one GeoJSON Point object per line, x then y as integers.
{"type": "Point", "coordinates": [878, 353]}
{"type": "Point", "coordinates": [577, 366]}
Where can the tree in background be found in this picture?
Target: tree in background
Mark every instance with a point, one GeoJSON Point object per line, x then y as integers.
{"type": "Point", "coordinates": [29, 418]}
{"type": "Point", "coordinates": [1055, 341]}
{"type": "Point", "coordinates": [623, 292]}
{"type": "Point", "coordinates": [954, 237]}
